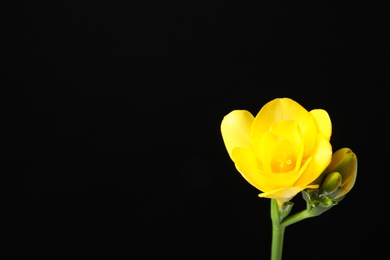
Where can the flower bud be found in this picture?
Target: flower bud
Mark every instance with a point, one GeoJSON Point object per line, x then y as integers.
{"type": "Point", "coordinates": [344, 162]}
{"type": "Point", "coordinates": [332, 182]}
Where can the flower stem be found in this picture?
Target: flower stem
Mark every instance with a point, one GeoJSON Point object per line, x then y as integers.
{"type": "Point", "coordinates": [296, 218]}
{"type": "Point", "coordinates": [279, 225]}
{"type": "Point", "coordinates": [277, 232]}
{"type": "Point", "coordinates": [277, 242]}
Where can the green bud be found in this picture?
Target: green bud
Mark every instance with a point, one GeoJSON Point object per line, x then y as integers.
{"type": "Point", "coordinates": [335, 182]}
{"type": "Point", "coordinates": [328, 201]}
{"type": "Point", "coordinates": [332, 182]}
{"type": "Point", "coordinates": [344, 161]}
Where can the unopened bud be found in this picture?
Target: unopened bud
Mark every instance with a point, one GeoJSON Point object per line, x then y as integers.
{"type": "Point", "coordinates": [344, 161]}
{"type": "Point", "coordinates": [332, 182]}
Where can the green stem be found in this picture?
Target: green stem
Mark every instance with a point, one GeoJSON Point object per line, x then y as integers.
{"type": "Point", "coordinates": [279, 225]}
{"type": "Point", "coordinates": [277, 232]}
{"type": "Point", "coordinates": [277, 242]}
{"type": "Point", "coordinates": [296, 218]}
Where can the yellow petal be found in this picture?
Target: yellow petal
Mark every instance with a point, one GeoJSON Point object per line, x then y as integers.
{"type": "Point", "coordinates": [286, 109]}
{"type": "Point", "coordinates": [285, 194]}
{"type": "Point", "coordinates": [249, 166]}
{"type": "Point", "coordinates": [320, 159]}
{"type": "Point", "coordinates": [323, 121]}
{"type": "Point", "coordinates": [235, 129]}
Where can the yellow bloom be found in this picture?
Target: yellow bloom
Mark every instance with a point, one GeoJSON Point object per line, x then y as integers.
{"type": "Point", "coordinates": [282, 150]}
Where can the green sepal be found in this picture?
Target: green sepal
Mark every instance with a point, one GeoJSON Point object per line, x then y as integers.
{"type": "Point", "coordinates": [285, 210]}
{"type": "Point", "coordinates": [317, 203]}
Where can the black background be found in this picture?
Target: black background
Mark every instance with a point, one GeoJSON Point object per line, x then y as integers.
{"type": "Point", "coordinates": [110, 114]}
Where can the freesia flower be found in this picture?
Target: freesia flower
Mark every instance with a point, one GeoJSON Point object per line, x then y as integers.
{"type": "Point", "coordinates": [282, 150]}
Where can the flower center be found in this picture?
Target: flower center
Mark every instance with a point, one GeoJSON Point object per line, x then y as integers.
{"type": "Point", "coordinates": [283, 162]}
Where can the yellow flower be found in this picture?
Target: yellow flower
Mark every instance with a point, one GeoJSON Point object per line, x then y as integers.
{"type": "Point", "coordinates": [282, 150]}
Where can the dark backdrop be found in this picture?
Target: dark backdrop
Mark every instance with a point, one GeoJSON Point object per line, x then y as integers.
{"type": "Point", "coordinates": [110, 114]}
